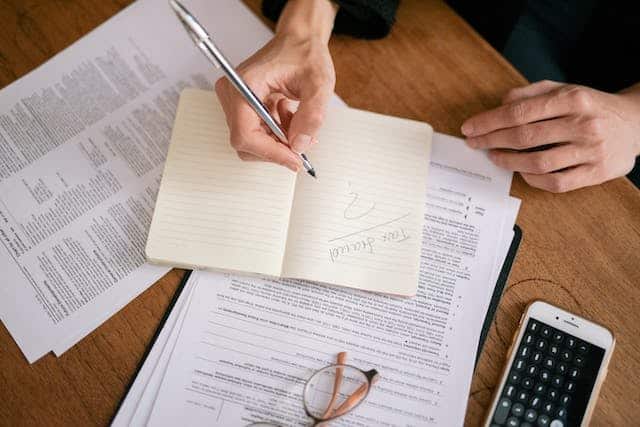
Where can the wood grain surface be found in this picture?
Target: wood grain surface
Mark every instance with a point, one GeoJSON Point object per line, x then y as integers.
{"type": "Point", "coordinates": [580, 250]}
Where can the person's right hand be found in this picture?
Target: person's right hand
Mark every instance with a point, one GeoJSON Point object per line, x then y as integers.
{"type": "Point", "coordinates": [295, 66]}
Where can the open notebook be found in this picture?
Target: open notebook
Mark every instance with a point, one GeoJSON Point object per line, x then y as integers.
{"type": "Point", "coordinates": [358, 225]}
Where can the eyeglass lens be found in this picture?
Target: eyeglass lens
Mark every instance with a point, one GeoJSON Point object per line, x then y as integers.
{"type": "Point", "coordinates": [334, 391]}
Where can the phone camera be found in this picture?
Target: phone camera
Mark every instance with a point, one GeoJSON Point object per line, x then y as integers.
{"type": "Point", "coordinates": [557, 318]}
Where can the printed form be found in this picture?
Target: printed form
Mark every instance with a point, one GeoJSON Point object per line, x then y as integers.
{"type": "Point", "coordinates": [247, 345]}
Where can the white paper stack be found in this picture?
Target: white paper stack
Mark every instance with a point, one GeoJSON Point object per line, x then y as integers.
{"type": "Point", "coordinates": [237, 349]}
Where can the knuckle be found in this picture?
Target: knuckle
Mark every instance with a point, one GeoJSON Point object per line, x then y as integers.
{"type": "Point", "coordinates": [517, 112]}
{"type": "Point", "coordinates": [315, 118]}
{"type": "Point", "coordinates": [511, 94]}
{"type": "Point", "coordinates": [579, 97]}
{"type": "Point", "coordinates": [540, 163]}
{"type": "Point", "coordinates": [523, 136]}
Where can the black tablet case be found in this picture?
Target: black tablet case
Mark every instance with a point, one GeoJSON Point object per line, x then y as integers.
{"type": "Point", "coordinates": [493, 305]}
{"type": "Point", "coordinates": [499, 289]}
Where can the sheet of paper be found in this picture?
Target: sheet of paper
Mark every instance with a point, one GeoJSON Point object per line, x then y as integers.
{"type": "Point", "coordinates": [468, 168]}
{"type": "Point", "coordinates": [248, 345]}
{"type": "Point", "coordinates": [359, 223]}
{"type": "Point", "coordinates": [82, 144]}
{"type": "Point", "coordinates": [214, 210]}
{"type": "Point", "coordinates": [512, 207]}
{"type": "Point", "coordinates": [143, 388]}
{"type": "Point", "coordinates": [463, 170]}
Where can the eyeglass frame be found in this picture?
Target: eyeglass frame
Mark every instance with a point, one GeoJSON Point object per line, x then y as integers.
{"type": "Point", "coordinates": [371, 375]}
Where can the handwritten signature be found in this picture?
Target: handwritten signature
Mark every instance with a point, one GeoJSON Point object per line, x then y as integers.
{"type": "Point", "coordinates": [367, 244]}
{"type": "Point", "coordinates": [365, 240]}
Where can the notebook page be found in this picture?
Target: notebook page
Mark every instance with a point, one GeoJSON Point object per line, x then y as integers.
{"type": "Point", "coordinates": [360, 223]}
{"type": "Point", "coordinates": [213, 210]}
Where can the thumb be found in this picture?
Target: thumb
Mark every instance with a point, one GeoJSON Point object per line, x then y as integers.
{"type": "Point", "coordinates": [306, 121]}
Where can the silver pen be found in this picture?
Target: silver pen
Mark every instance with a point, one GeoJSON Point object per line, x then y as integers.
{"type": "Point", "coordinates": [205, 43]}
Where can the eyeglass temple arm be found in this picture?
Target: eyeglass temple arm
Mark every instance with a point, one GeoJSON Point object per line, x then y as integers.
{"type": "Point", "coordinates": [340, 360]}
{"type": "Point", "coordinates": [356, 396]}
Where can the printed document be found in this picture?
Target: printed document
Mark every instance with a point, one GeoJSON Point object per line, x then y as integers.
{"type": "Point", "coordinates": [247, 345]}
{"type": "Point", "coordinates": [83, 140]}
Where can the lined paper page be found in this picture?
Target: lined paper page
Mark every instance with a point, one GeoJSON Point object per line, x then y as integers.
{"type": "Point", "coordinates": [360, 224]}
{"type": "Point", "coordinates": [213, 210]}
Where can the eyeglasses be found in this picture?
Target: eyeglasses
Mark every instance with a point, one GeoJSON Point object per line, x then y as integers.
{"type": "Point", "coordinates": [333, 391]}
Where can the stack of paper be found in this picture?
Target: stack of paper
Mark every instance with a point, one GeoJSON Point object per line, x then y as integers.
{"type": "Point", "coordinates": [238, 349]}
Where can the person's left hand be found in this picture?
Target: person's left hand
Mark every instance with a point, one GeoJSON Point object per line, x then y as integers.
{"type": "Point", "coordinates": [561, 137]}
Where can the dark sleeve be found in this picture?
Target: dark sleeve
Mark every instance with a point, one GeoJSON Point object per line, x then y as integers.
{"type": "Point", "coordinates": [369, 19]}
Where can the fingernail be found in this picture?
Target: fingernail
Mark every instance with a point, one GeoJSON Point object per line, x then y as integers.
{"type": "Point", "coordinates": [301, 143]}
{"type": "Point", "coordinates": [467, 128]}
{"type": "Point", "coordinates": [471, 142]}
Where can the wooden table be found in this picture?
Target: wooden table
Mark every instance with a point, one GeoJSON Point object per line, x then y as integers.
{"type": "Point", "coordinates": [580, 250]}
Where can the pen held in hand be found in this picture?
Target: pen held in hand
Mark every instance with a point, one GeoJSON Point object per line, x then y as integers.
{"type": "Point", "coordinates": [203, 41]}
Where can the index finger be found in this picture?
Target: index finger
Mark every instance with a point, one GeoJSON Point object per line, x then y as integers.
{"type": "Point", "coordinates": [248, 135]}
{"type": "Point", "coordinates": [546, 106]}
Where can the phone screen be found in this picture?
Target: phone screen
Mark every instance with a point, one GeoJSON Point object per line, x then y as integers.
{"type": "Point", "coordinates": [550, 380]}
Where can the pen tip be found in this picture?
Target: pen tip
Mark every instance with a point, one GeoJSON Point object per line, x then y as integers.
{"type": "Point", "coordinates": [312, 173]}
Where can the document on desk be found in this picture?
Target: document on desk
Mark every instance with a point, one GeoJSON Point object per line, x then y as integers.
{"type": "Point", "coordinates": [83, 140]}
{"type": "Point", "coordinates": [247, 345]}
{"type": "Point", "coordinates": [142, 394]}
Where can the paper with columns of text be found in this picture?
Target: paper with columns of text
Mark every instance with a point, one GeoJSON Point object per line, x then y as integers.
{"type": "Point", "coordinates": [358, 225]}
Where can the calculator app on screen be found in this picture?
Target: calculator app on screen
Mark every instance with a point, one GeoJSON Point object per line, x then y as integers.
{"type": "Point", "coordinates": [550, 380]}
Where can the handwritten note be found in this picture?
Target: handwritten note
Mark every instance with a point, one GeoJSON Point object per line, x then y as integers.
{"type": "Point", "coordinates": [363, 219]}
{"type": "Point", "coordinates": [358, 225]}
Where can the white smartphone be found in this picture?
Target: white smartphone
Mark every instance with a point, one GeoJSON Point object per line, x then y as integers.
{"type": "Point", "coordinates": [555, 367]}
